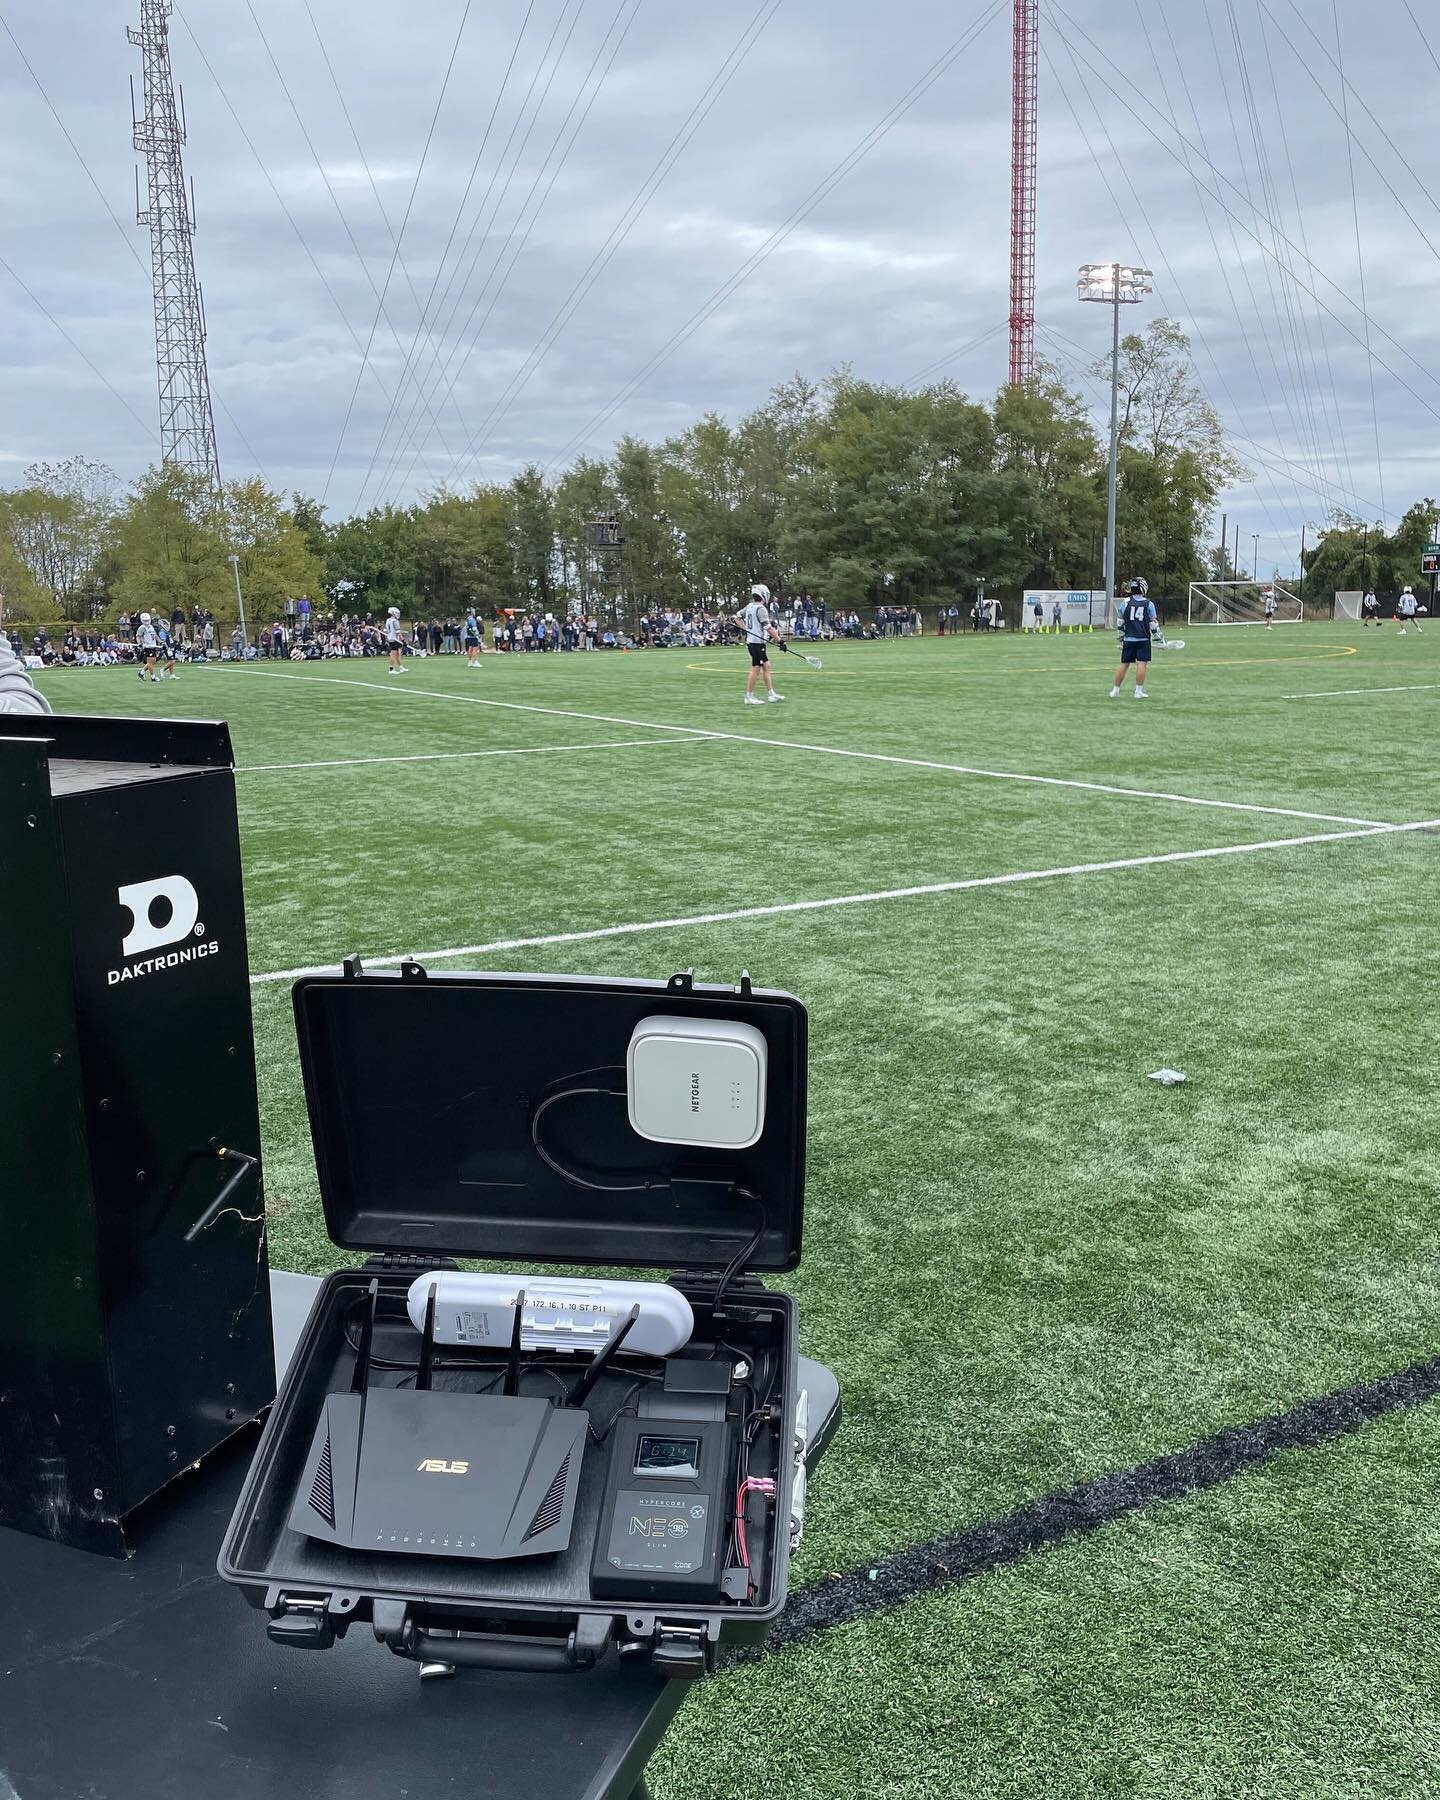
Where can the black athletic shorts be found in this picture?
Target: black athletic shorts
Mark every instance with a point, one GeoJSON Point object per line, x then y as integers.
{"type": "Point", "coordinates": [758, 654]}
{"type": "Point", "coordinates": [1135, 650]}
{"type": "Point", "coordinates": [471, 642]}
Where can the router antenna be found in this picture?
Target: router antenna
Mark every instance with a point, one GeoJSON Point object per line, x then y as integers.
{"type": "Point", "coordinates": [602, 1359]}
{"type": "Point", "coordinates": [427, 1342]}
{"type": "Point", "coordinates": [512, 1368]}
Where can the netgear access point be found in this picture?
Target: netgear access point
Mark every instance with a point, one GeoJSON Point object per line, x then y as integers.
{"type": "Point", "coordinates": [697, 1081]}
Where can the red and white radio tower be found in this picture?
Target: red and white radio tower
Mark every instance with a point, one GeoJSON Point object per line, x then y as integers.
{"type": "Point", "coordinates": [1022, 191]}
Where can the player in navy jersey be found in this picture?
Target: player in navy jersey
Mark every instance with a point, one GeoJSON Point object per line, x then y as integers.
{"type": "Point", "coordinates": [1136, 621]}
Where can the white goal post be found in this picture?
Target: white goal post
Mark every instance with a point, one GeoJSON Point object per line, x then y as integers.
{"type": "Point", "coordinates": [1242, 603]}
{"type": "Point", "coordinates": [1347, 603]}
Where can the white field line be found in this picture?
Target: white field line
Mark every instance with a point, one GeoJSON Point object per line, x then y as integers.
{"type": "Point", "coordinates": [875, 756]}
{"type": "Point", "coordinates": [358, 762]}
{"type": "Point", "coordinates": [1420, 687]}
{"type": "Point", "coordinates": [904, 893]}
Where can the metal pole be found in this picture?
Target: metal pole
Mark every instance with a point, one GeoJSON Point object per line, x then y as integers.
{"type": "Point", "coordinates": [1224, 541]}
{"type": "Point", "coordinates": [1114, 458]}
{"type": "Point", "coordinates": [1255, 558]}
{"type": "Point", "coordinates": [1434, 539]}
{"type": "Point", "coordinates": [239, 597]}
{"type": "Point", "coordinates": [1302, 571]}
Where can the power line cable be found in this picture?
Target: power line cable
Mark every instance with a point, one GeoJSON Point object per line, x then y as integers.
{"type": "Point", "coordinates": [1328, 390]}
{"type": "Point", "coordinates": [383, 293]}
{"type": "Point", "coordinates": [494, 213]}
{"type": "Point", "coordinates": [953, 355]}
{"type": "Point", "coordinates": [279, 197]}
{"type": "Point", "coordinates": [1277, 464]}
{"type": "Point", "coordinates": [1154, 236]}
{"type": "Point", "coordinates": [125, 236]}
{"type": "Point", "coordinates": [626, 221]}
{"type": "Point", "coordinates": [104, 380]}
{"type": "Point", "coordinates": [1282, 286]}
{"type": "Point", "coordinates": [783, 231]}
{"type": "Point", "coordinates": [427, 330]}
{"type": "Point", "coordinates": [1123, 90]}
{"type": "Point", "coordinates": [333, 197]}
{"type": "Point", "coordinates": [471, 338]}
{"type": "Point", "coordinates": [1359, 258]}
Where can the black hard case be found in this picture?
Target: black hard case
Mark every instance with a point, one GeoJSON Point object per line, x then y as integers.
{"type": "Point", "coordinates": [420, 1090]}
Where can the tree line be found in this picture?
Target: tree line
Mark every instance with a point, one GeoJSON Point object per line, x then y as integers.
{"type": "Point", "coordinates": [864, 493]}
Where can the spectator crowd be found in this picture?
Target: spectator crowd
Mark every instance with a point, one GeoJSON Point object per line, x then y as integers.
{"type": "Point", "coordinates": [308, 634]}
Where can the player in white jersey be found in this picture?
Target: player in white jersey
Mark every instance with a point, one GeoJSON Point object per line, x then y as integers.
{"type": "Point", "coordinates": [760, 630]}
{"type": "Point", "coordinates": [392, 641]}
{"type": "Point", "coordinates": [1406, 609]}
{"type": "Point", "coordinates": [147, 642]}
{"type": "Point", "coordinates": [1269, 594]}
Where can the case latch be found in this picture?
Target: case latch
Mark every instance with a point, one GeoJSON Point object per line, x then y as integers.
{"type": "Point", "coordinates": [682, 1651]}
{"type": "Point", "coordinates": [303, 1622]}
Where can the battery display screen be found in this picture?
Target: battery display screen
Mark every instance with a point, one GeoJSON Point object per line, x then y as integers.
{"type": "Point", "coordinates": [677, 1457]}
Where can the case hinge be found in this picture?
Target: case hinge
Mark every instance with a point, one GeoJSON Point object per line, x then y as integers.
{"type": "Point", "coordinates": [408, 1262]}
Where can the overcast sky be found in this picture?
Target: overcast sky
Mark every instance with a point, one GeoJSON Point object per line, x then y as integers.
{"type": "Point", "coordinates": [902, 262]}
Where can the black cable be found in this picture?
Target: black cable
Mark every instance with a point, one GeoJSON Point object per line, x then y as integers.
{"type": "Point", "coordinates": [558, 1168]}
{"type": "Point", "coordinates": [746, 1250]}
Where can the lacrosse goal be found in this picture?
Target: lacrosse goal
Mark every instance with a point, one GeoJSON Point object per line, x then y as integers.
{"type": "Point", "coordinates": [1241, 603]}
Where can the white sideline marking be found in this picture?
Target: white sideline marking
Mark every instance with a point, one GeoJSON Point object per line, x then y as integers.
{"type": "Point", "coordinates": [904, 893]}
{"type": "Point", "coordinates": [1336, 693]}
{"type": "Point", "coordinates": [356, 762]}
{"type": "Point", "coordinates": [906, 762]}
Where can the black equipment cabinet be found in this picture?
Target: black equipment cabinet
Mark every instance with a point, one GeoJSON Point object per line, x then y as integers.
{"type": "Point", "coordinates": [135, 1331]}
{"type": "Point", "coordinates": [423, 1092]}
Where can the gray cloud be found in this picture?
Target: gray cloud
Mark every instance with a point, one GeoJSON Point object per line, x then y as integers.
{"type": "Point", "coordinates": [904, 260]}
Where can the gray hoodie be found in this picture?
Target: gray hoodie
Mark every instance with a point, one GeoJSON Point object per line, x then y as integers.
{"type": "Point", "coordinates": [17, 691]}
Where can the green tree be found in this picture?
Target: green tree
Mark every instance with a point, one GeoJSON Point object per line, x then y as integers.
{"type": "Point", "coordinates": [1174, 461]}
{"type": "Point", "coordinates": [532, 540]}
{"type": "Point", "coordinates": [1043, 435]}
{"type": "Point", "coordinates": [172, 546]}
{"type": "Point", "coordinates": [276, 563]}
{"type": "Point", "coordinates": [371, 561]}
{"type": "Point", "coordinates": [58, 529]}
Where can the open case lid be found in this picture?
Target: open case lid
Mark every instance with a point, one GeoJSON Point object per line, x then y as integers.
{"type": "Point", "coordinates": [422, 1089]}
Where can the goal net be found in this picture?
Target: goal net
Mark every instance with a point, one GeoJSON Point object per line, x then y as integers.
{"type": "Point", "coordinates": [1347, 604]}
{"type": "Point", "coordinates": [1242, 603]}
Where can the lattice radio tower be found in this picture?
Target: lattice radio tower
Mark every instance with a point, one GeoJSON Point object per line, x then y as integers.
{"type": "Point", "coordinates": [1024, 107]}
{"type": "Point", "coordinates": [187, 420]}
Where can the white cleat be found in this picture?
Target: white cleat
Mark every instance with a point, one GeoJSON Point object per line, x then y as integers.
{"type": "Point", "coordinates": [753, 700]}
{"type": "Point", "coordinates": [1402, 630]}
{"type": "Point", "coordinates": [1141, 694]}
{"type": "Point", "coordinates": [1114, 693]}
{"type": "Point", "coordinates": [772, 698]}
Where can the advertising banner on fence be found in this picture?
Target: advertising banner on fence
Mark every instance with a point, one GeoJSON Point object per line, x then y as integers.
{"type": "Point", "coordinates": [1074, 608]}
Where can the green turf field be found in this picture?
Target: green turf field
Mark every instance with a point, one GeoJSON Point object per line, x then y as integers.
{"type": "Point", "coordinates": [1029, 1264]}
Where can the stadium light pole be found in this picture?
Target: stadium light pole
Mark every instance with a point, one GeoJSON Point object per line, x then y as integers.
{"type": "Point", "coordinates": [1255, 557]}
{"type": "Point", "coordinates": [1113, 284]}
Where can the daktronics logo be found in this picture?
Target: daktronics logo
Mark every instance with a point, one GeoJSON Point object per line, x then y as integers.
{"type": "Point", "coordinates": [162, 913]}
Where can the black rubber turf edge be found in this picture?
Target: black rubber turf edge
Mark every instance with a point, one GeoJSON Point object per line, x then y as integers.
{"type": "Point", "coordinates": [1075, 1512]}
